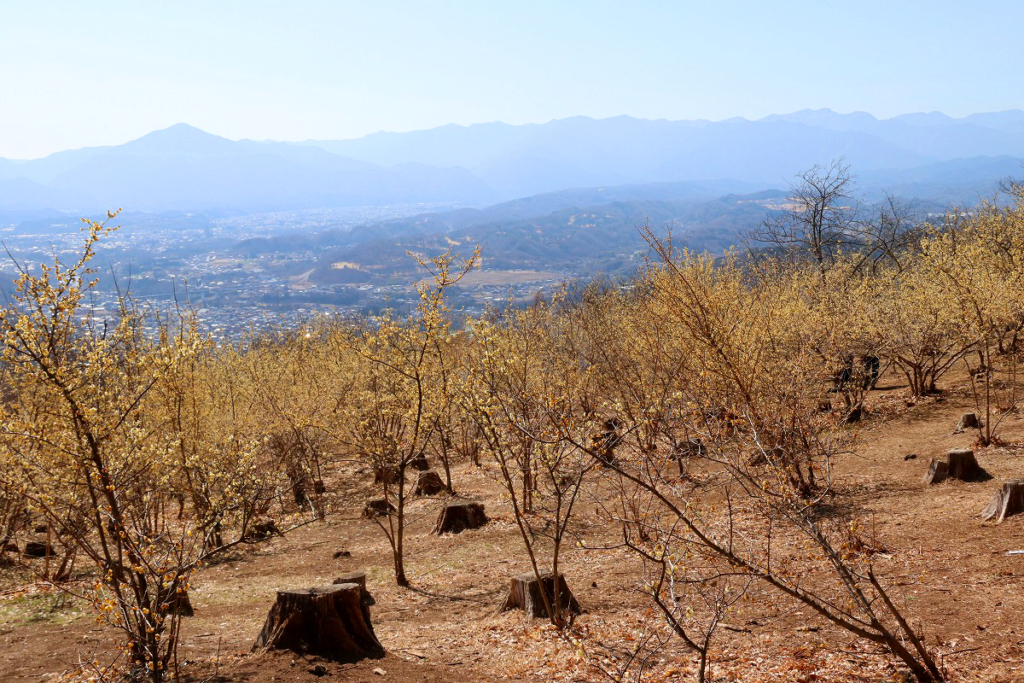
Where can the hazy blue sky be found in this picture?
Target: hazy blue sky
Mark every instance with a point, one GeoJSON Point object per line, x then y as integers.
{"type": "Point", "coordinates": [77, 73]}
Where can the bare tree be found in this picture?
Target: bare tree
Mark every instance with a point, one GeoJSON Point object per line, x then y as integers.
{"type": "Point", "coordinates": [818, 219]}
{"type": "Point", "coordinates": [889, 235]}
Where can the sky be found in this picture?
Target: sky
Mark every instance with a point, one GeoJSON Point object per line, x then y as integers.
{"type": "Point", "coordinates": [76, 74]}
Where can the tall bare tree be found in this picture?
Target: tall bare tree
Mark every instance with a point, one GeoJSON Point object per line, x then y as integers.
{"type": "Point", "coordinates": [819, 217]}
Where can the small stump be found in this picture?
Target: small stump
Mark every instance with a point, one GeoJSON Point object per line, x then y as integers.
{"type": "Point", "coordinates": [381, 507]}
{"type": "Point", "coordinates": [938, 470]}
{"type": "Point", "coordinates": [385, 475]}
{"type": "Point", "coordinates": [1009, 500]}
{"type": "Point", "coordinates": [428, 484]}
{"type": "Point", "coordinates": [262, 529]}
{"type": "Point", "coordinates": [960, 464]}
{"type": "Point", "coordinates": [524, 594]}
{"type": "Point", "coordinates": [967, 421]}
{"type": "Point", "coordinates": [179, 604]}
{"type": "Point", "coordinates": [331, 622]}
{"type": "Point", "coordinates": [457, 517]}
{"type": "Point", "coordinates": [419, 462]}
{"type": "Point", "coordinates": [358, 578]}
{"type": "Point", "coordinates": [183, 606]}
{"type": "Point", "coordinates": [760, 457]}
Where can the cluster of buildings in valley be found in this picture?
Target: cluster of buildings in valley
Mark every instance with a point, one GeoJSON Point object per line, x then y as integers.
{"type": "Point", "coordinates": [196, 266]}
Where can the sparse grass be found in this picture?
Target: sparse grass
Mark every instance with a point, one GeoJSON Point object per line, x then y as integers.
{"type": "Point", "coordinates": [51, 607]}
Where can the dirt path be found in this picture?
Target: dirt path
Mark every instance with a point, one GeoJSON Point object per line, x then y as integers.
{"type": "Point", "coordinates": [951, 570]}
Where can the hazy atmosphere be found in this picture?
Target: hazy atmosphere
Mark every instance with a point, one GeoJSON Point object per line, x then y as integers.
{"type": "Point", "coordinates": [556, 342]}
{"type": "Point", "coordinates": [104, 72]}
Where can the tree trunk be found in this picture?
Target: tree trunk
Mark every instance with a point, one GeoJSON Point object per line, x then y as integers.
{"type": "Point", "coordinates": [524, 593]}
{"type": "Point", "coordinates": [331, 622]}
{"type": "Point", "coordinates": [1009, 500]}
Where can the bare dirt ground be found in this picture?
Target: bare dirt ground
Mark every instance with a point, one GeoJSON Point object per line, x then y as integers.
{"type": "Point", "coordinates": [955, 577]}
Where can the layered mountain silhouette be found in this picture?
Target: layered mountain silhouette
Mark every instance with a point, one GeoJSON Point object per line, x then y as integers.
{"type": "Point", "coordinates": [929, 155]}
{"type": "Point", "coordinates": [185, 168]}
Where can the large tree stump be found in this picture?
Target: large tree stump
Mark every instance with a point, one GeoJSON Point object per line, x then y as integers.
{"type": "Point", "coordinates": [524, 594]}
{"type": "Point", "coordinates": [37, 549]}
{"type": "Point", "coordinates": [960, 464]}
{"type": "Point", "coordinates": [457, 517]}
{"type": "Point", "coordinates": [1009, 500]}
{"type": "Point", "coordinates": [329, 621]}
{"type": "Point", "coordinates": [428, 484]}
{"type": "Point", "coordinates": [358, 578]}
{"type": "Point", "coordinates": [963, 465]}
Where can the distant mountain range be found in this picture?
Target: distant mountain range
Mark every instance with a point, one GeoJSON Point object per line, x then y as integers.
{"type": "Point", "coordinates": [928, 156]}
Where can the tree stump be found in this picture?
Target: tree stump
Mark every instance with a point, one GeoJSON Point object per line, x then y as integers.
{"type": "Point", "coordinates": [760, 457]}
{"type": "Point", "coordinates": [938, 470]}
{"type": "Point", "coordinates": [331, 622]}
{"type": "Point", "coordinates": [967, 421]}
{"type": "Point", "coordinates": [419, 462]}
{"type": "Point", "coordinates": [183, 606]}
{"type": "Point", "coordinates": [262, 529]}
{"type": "Point", "coordinates": [457, 517]}
{"type": "Point", "coordinates": [524, 594]}
{"type": "Point", "coordinates": [606, 441]}
{"type": "Point", "coordinates": [428, 484]}
{"type": "Point", "coordinates": [358, 578]}
{"type": "Point", "coordinates": [963, 465]}
{"type": "Point", "coordinates": [179, 604]}
{"type": "Point", "coordinates": [960, 464]}
{"type": "Point", "coordinates": [380, 507]}
{"type": "Point", "coordinates": [37, 549]}
{"type": "Point", "coordinates": [1009, 500]}
{"type": "Point", "coordinates": [385, 475]}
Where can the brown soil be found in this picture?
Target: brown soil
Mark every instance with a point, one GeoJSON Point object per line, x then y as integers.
{"type": "Point", "coordinates": [955, 577]}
